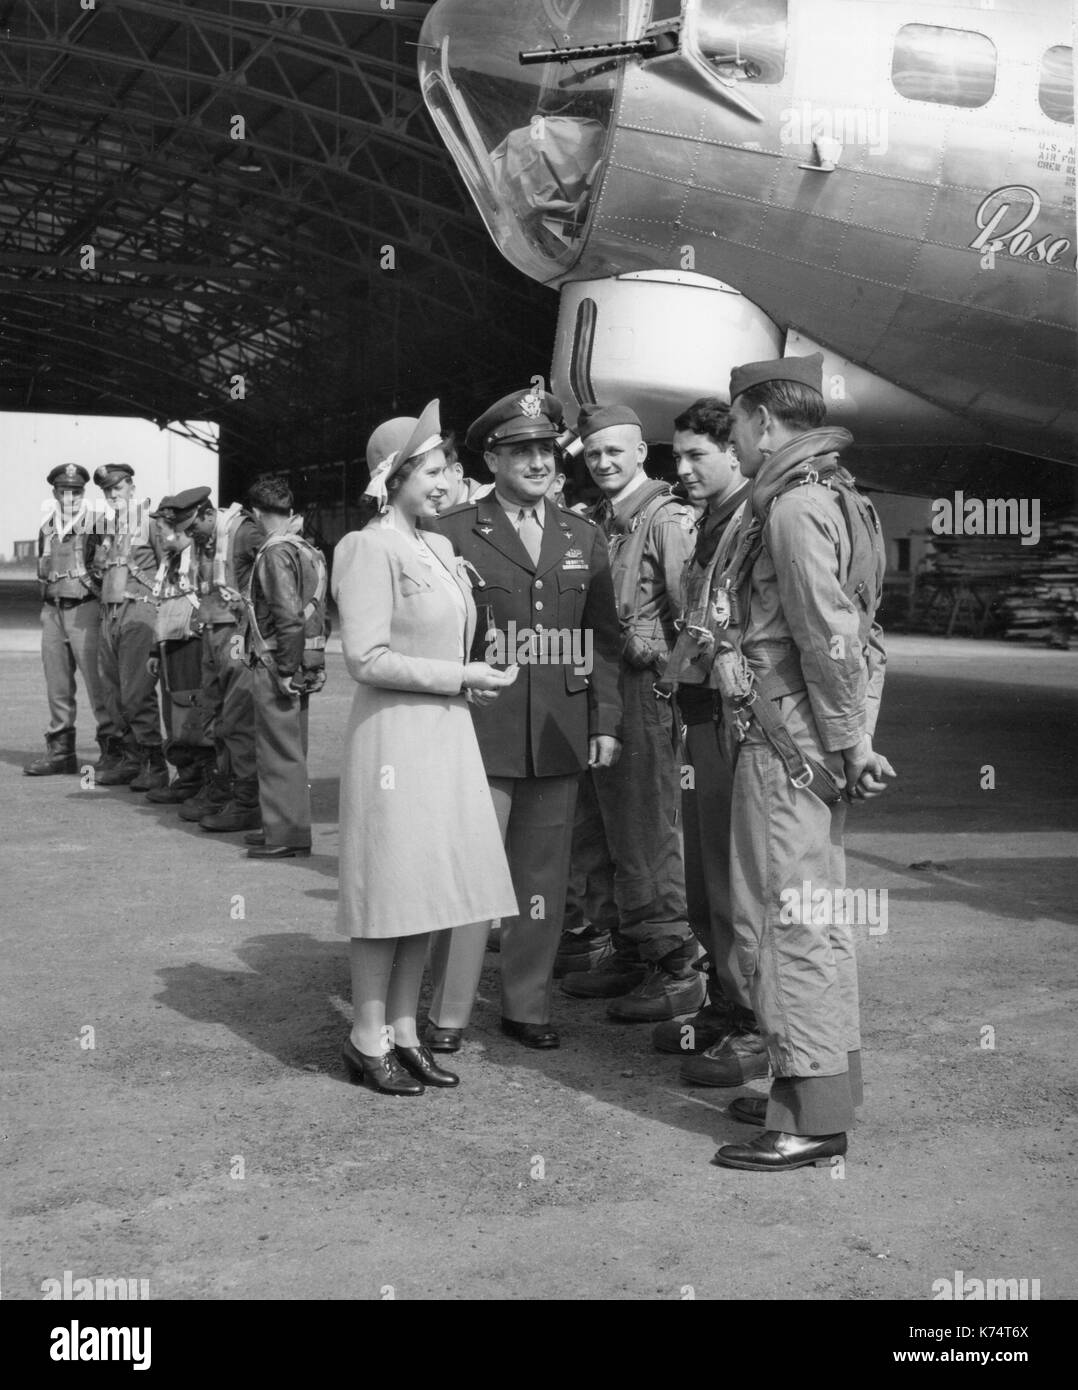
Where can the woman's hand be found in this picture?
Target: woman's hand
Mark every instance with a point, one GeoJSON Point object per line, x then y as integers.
{"type": "Point", "coordinates": [484, 683]}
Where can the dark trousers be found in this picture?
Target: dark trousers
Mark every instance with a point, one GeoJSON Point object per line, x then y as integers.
{"type": "Point", "coordinates": [535, 816]}
{"type": "Point", "coordinates": [127, 643]}
{"type": "Point", "coordinates": [638, 798]}
{"type": "Point", "coordinates": [226, 701]}
{"type": "Point", "coordinates": [591, 875]}
{"type": "Point", "coordinates": [284, 793]}
{"type": "Point", "coordinates": [706, 805]}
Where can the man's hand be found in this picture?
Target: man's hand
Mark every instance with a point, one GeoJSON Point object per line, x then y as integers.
{"type": "Point", "coordinates": [865, 770]}
{"type": "Point", "coordinates": [603, 751]}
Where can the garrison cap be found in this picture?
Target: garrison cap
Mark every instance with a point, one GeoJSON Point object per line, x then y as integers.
{"type": "Point", "coordinates": [176, 510]}
{"type": "Point", "coordinates": [806, 370]}
{"type": "Point", "coordinates": [183, 506]}
{"type": "Point", "coordinates": [109, 474]}
{"type": "Point", "coordinates": [594, 418]}
{"type": "Point", "coordinates": [68, 475]}
{"type": "Point", "coordinates": [527, 414]}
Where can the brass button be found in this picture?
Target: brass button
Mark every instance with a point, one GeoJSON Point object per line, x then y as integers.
{"type": "Point", "coordinates": [539, 607]}
{"type": "Point", "coordinates": [538, 583]}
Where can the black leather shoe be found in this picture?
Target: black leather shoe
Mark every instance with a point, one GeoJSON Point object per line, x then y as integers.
{"type": "Point", "coordinates": [444, 1039]}
{"type": "Point", "coordinates": [750, 1110]}
{"type": "Point", "coordinates": [383, 1074]}
{"type": "Point", "coordinates": [423, 1067]}
{"type": "Point", "coordinates": [255, 837]}
{"type": "Point", "coordinates": [775, 1152]}
{"type": "Point", "coordinates": [264, 851]}
{"type": "Point", "coordinates": [531, 1034]}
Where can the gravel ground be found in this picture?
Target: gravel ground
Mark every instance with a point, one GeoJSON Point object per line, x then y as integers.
{"type": "Point", "coordinates": [207, 1140]}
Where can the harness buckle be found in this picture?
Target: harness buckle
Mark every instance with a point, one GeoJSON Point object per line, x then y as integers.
{"type": "Point", "coordinates": [661, 694]}
{"type": "Point", "coordinates": [803, 779]}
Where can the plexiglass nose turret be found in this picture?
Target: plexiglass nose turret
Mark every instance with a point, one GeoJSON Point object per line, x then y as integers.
{"type": "Point", "coordinates": [530, 141]}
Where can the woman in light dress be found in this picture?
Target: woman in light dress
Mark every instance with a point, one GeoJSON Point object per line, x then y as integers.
{"type": "Point", "coordinates": [420, 849]}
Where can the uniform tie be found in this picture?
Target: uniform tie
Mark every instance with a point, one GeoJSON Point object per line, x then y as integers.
{"type": "Point", "coordinates": [530, 532]}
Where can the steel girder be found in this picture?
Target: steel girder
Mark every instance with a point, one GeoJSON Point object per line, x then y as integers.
{"type": "Point", "coordinates": [259, 257]}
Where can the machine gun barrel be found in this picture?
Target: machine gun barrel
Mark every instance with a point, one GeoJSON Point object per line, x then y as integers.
{"type": "Point", "coordinates": [590, 50]}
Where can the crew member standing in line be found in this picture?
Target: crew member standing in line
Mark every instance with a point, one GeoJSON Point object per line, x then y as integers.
{"type": "Point", "coordinates": [227, 541]}
{"type": "Point", "coordinates": [651, 975]}
{"type": "Point", "coordinates": [179, 643]}
{"type": "Point", "coordinates": [724, 1036]}
{"type": "Point", "coordinates": [286, 640]}
{"type": "Point", "coordinates": [804, 689]}
{"type": "Point", "coordinates": [70, 623]}
{"type": "Point", "coordinates": [128, 558]}
{"type": "Point", "coordinates": [539, 570]}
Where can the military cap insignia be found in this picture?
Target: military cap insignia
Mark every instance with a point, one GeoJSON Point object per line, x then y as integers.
{"type": "Point", "coordinates": [71, 471]}
{"type": "Point", "coordinates": [531, 405]}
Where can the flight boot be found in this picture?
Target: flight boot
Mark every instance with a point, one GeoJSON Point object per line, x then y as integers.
{"type": "Point", "coordinates": [216, 790]}
{"type": "Point", "coordinates": [125, 769]}
{"type": "Point", "coordinates": [186, 784]}
{"type": "Point", "coordinates": [153, 770]}
{"type": "Point", "coordinates": [734, 1060]}
{"type": "Point", "coordinates": [240, 812]}
{"type": "Point", "coordinates": [693, 1033]}
{"type": "Point", "coordinates": [617, 974]}
{"type": "Point", "coordinates": [670, 987]}
{"type": "Point", "coordinates": [582, 950]}
{"type": "Point", "coordinates": [112, 751]}
{"type": "Point", "coordinates": [59, 756]}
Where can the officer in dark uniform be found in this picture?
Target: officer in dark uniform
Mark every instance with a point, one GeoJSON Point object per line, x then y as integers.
{"type": "Point", "coordinates": [545, 602]}
{"type": "Point", "coordinates": [70, 621]}
{"type": "Point", "coordinates": [127, 560]}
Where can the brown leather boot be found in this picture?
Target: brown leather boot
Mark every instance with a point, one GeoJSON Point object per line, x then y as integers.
{"type": "Point", "coordinates": [240, 812]}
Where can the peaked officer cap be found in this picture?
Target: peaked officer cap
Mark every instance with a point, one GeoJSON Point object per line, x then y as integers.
{"type": "Point", "coordinates": [594, 418]}
{"type": "Point", "coordinates": [527, 414]}
{"type": "Point", "coordinates": [68, 475]}
{"type": "Point", "coordinates": [806, 370]}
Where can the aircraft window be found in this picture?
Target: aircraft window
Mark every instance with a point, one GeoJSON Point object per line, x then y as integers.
{"type": "Point", "coordinates": [1056, 94]}
{"type": "Point", "coordinates": [744, 40]}
{"type": "Point", "coordinates": [665, 11]}
{"type": "Point", "coordinates": [954, 67]}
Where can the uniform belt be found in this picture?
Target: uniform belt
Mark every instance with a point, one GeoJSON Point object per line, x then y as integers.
{"type": "Point", "coordinates": [70, 602]}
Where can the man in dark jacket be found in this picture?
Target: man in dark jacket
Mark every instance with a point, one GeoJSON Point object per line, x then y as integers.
{"type": "Point", "coordinates": [285, 639]}
{"type": "Point", "coordinates": [545, 602]}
